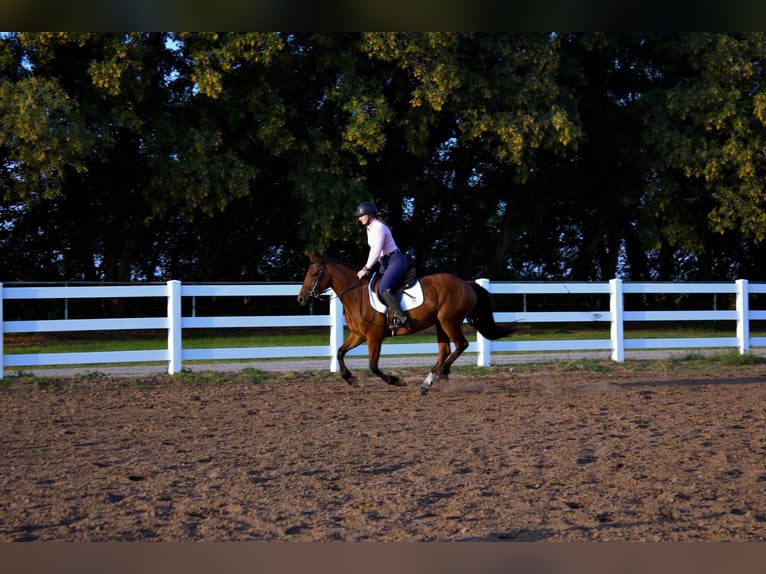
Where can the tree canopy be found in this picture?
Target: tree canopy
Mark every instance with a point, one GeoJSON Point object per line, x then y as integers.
{"type": "Point", "coordinates": [229, 156]}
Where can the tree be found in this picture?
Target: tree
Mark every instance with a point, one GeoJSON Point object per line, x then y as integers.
{"type": "Point", "coordinates": [227, 156]}
{"type": "Point", "coordinates": [101, 125]}
{"type": "Point", "coordinates": [706, 131]}
{"type": "Point", "coordinates": [471, 114]}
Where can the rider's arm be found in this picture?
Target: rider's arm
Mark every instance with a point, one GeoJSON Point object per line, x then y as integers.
{"type": "Point", "coordinates": [375, 237]}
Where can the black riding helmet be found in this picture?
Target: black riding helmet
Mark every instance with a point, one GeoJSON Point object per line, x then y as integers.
{"type": "Point", "coordinates": [366, 208]}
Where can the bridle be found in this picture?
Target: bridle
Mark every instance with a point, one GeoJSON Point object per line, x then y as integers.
{"type": "Point", "coordinates": [314, 292]}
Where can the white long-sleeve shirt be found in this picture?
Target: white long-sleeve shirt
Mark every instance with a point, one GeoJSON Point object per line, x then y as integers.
{"type": "Point", "coordinates": [380, 240]}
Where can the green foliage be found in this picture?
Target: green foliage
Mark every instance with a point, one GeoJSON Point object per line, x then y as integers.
{"type": "Point", "coordinates": [40, 123]}
{"type": "Point", "coordinates": [228, 156]}
{"type": "Point", "coordinates": [709, 130]}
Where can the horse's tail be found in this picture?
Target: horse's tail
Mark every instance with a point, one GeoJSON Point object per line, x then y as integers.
{"type": "Point", "coordinates": [482, 318]}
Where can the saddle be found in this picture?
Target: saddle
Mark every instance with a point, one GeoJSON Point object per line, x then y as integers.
{"type": "Point", "coordinates": [408, 291]}
{"type": "Point", "coordinates": [407, 281]}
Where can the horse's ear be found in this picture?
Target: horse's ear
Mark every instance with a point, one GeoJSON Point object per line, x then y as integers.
{"type": "Point", "coordinates": [314, 257]}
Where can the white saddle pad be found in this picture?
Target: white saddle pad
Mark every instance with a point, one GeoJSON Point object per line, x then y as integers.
{"type": "Point", "coordinates": [408, 299]}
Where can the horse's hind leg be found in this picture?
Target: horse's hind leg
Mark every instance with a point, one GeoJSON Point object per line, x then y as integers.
{"type": "Point", "coordinates": [444, 351]}
{"type": "Point", "coordinates": [443, 365]}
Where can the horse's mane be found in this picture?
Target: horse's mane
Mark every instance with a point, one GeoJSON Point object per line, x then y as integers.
{"type": "Point", "coordinates": [336, 261]}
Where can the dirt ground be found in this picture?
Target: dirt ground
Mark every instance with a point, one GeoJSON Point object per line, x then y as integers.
{"type": "Point", "coordinates": [640, 451]}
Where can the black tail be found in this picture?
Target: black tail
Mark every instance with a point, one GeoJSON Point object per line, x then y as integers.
{"type": "Point", "coordinates": [481, 316]}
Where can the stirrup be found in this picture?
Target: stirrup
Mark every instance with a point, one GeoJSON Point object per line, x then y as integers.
{"type": "Point", "coordinates": [395, 323]}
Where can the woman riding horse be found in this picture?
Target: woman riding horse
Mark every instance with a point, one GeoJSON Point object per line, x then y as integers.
{"type": "Point", "coordinates": [447, 302]}
{"type": "Point", "coordinates": [383, 250]}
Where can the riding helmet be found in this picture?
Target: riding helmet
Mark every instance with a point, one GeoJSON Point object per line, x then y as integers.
{"type": "Point", "coordinates": [366, 208]}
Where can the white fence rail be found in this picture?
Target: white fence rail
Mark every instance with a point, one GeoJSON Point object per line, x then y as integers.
{"type": "Point", "coordinates": [175, 323]}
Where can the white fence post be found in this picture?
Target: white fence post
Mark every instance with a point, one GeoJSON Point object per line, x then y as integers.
{"type": "Point", "coordinates": [336, 331]}
{"type": "Point", "coordinates": [617, 331]}
{"type": "Point", "coordinates": [743, 316]}
{"type": "Point", "coordinates": [2, 334]}
{"type": "Point", "coordinates": [174, 327]}
{"type": "Point", "coordinates": [483, 345]}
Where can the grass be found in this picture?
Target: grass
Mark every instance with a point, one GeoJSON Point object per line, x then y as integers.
{"type": "Point", "coordinates": [727, 358]}
{"type": "Point", "coordinates": [205, 339]}
{"type": "Point", "coordinates": [245, 338]}
{"type": "Point", "coordinates": [691, 363]}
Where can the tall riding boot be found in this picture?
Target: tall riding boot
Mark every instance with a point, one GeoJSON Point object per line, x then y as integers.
{"type": "Point", "coordinates": [390, 300]}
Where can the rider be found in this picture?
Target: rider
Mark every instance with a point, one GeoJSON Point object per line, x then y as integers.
{"type": "Point", "coordinates": [383, 249]}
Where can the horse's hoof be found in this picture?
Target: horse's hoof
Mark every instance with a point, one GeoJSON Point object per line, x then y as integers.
{"type": "Point", "coordinates": [426, 384]}
{"type": "Point", "coordinates": [397, 382]}
{"type": "Point", "coordinates": [352, 382]}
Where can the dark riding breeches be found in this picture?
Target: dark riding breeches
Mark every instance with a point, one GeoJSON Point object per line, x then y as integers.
{"type": "Point", "coordinates": [392, 269]}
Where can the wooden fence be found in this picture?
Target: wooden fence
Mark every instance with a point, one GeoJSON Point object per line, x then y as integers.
{"type": "Point", "coordinates": [175, 323]}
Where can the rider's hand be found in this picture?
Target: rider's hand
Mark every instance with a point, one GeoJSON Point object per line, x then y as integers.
{"type": "Point", "coordinates": [362, 273]}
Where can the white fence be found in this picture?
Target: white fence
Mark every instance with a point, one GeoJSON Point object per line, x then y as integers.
{"type": "Point", "coordinates": [175, 323]}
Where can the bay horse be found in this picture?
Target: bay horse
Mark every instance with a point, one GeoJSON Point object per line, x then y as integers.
{"type": "Point", "coordinates": [447, 302]}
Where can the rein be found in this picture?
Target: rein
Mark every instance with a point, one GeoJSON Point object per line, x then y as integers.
{"type": "Point", "coordinates": [314, 293]}
{"type": "Point", "coordinates": [356, 284]}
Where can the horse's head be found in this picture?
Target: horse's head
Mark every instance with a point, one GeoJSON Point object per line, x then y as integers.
{"type": "Point", "coordinates": [316, 280]}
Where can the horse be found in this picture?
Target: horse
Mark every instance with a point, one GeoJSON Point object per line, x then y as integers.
{"type": "Point", "coordinates": [447, 302]}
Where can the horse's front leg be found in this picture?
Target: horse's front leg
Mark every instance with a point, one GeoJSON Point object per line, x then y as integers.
{"type": "Point", "coordinates": [373, 349]}
{"type": "Point", "coordinates": [353, 340]}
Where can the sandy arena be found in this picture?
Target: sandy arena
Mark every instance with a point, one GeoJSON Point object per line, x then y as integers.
{"type": "Point", "coordinates": [640, 451]}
